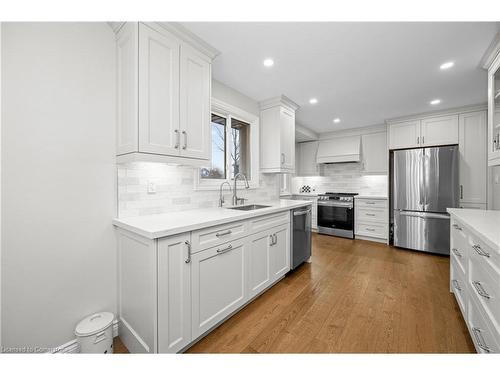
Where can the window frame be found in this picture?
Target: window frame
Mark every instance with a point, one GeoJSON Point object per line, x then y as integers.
{"type": "Point", "coordinates": [229, 111]}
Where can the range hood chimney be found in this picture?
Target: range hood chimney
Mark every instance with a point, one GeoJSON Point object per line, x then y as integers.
{"type": "Point", "coordinates": [339, 150]}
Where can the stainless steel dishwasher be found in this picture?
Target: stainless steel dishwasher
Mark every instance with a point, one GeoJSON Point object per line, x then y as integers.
{"type": "Point", "coordinates": [301, 235]}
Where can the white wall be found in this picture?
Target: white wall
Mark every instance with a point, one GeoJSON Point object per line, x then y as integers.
{"type": "Point", "coordinates": [58, 179]}
{"type": "Point", "coordinates": [236, 98]}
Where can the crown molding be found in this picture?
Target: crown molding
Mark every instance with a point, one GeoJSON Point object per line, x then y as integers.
{"type": "Point", "coordinates": [491, 52]}
{"type": "Point", "coordinates": [179, 31]}
{"type": "Point", "coordinates": [281, 100]}
{"type": "Point", "coordinates": [443, 112]}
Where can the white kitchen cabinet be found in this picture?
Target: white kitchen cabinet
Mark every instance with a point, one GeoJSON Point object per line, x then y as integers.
{"type": "Point", "coordinates": [164, 84]}
{"type": "Point", "coordinates": [277, 135]}
{"type": "Point", "coordinates": [306, 159]}
{"type": "Point", "coordinates": [494, 112]}
{"type": "Point", "coordinates": [473, 158]}
{"type": "Point", "coordinates": [371, 219]}
{"type": "Point", "coordinates": [174, 293]}
{"type": "Point", "coordinates": [280, 252]}
{"type": "Point", "coordinates": [258, 263]}
{"type": "Point", "coordinates": [374, 152]}
{"type": "Point", "coordinates": [404, 134]}
{"type": "Point", "coordinates": [158, 92]}
{"type": "Point", "coordinates": [475, 206]}
{"type": "Point", "coordinates": [437, 131]}
{"type": "Point", "coordinates": [218, 284]}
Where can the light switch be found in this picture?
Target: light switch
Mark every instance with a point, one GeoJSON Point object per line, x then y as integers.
{"type": "Point", "coordinates": [151, 187]}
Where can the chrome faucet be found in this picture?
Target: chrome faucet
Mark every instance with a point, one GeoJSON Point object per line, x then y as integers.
{"type": "Point", "coordinates": [235, 192]}
{"type": "Point", "coordinates": [221, 196]}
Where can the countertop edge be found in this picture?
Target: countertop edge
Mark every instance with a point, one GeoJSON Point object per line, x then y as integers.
{"type": "Point", "coordinates": [188, 228]}
{"type": "Point", "coordinates": [483, 236]}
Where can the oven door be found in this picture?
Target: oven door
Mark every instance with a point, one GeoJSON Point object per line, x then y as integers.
{"type": "Point", "coordinates": [336, 218]}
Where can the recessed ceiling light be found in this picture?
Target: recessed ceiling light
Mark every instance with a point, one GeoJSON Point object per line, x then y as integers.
{"type": "Point", "coordinates": [313, 100]}
{"type": "Point", "coordinates": [447, 65]}
{"type": "Point", "coordinates": [268, 62]}
{"type": "Point", "coordinates": [336, 120]}
{"type": "Point", "coordinates": [435, 101]}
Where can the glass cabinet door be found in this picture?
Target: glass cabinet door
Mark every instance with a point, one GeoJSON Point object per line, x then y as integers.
{"type": "Point", "coordinates": [494, 115]}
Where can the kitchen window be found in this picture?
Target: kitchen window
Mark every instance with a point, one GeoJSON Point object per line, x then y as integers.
{"type": "Point", "coordinates": [234, 146]}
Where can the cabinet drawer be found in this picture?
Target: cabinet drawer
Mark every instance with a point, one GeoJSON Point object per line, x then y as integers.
{"type": "Point", "coordinates": [213, 236]}
{"type": "Point", "coordinates": [268, 221]}
{"type": "Point", "coordinates": [371, 230]}
{"type": "Point", "coordinates": [371, 214]}
{"type": "Point", "coordinates": [480, 253]}
{"type": "Point", "coordinates": [370, 203]}
{"type": "Point", "coordinates": [459, 246]}
{"type": "Point", "coordinates": [483, 335]}
{"type": "Point", "coordinates": [484, 286]}
{"type": "Point", "coordinates": [459, 287]}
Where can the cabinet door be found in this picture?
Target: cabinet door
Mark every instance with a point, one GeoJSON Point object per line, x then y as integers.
{"type": "Point", "coordinates": [374, 152]}
{"type": "Point", "coordinates": [127, 90]}
{"type": "Point", "coordinates": [258, 266]}
{"type": "Point", "coordinates": [280, 252]}
{"type": "Point", "coordinates": [159, 92]}
{"type": "Point", "coordinates": [306, 163]}
{"type": "Point", "coordinates": [404, 134]}
{"type": "Point", "coordinates": [174, 293]}
{"type": "Point", "coordinates": [439, 131]}
{"type": "Point", "coordinates": [473, 157]}
{"type": "Point", "coordinates": [218, 284]}
{"type": "Point", "coordinates": [287, 140]}
{"type": "Point", "coordinates": [195, 104]}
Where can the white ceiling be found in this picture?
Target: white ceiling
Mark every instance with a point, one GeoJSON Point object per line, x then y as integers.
{"type": "Point", "coordinates": [362, 73]}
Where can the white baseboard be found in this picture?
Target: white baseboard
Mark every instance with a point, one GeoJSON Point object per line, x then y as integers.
{"type": "Point", "coordinates": [72, 346]}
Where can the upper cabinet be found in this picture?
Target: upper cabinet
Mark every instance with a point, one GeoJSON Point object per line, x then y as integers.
{"type": "Point", "coordinates": [425, 132]}
{"type": "Point", "coordinates": [164, 81]}
{"type": "Point", "coordinates": [494, 112]}
{"type": "Point", "coordinates": [277, 135]}
{"type": "Point", "coordinates": [374, 152]}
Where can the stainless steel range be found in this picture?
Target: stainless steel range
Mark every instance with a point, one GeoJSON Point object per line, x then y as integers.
{"type": "Point", "coordinates": [336, 214]}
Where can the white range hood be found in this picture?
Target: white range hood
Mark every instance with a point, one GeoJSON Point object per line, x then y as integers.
{"type": "Point", "coordinates": [339, 150]}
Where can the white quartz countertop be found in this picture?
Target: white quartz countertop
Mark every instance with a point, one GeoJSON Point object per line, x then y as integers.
{"type": "Point", "coordinates": [483, 223]}
{"type": "Point", "coordinates": [162, 225]}
{"type": "Point", "coordinates": [364, 196]}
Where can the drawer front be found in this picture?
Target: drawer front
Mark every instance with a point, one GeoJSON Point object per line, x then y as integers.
{"type": "Point", "coordinates": [213, 236]}
{"type": "Point", "coordinates": [378, 215]}
{"type": "Point", "coordinates": [481, 253]}
{"type": "Point", "coordinates": [268, 221]}
{"type": "Point", "coordinates": [485, 288]}
{"type": "Point", "coordinates": [459, 287]}
{"type": "Point", "coordinates": [483, 335]}
{"type": "Point", "coordinates": [370, 203]}
{"type": "Point", "coordinates": [371, 230]}
{"type": "Point", "coordinates": [459, 245]}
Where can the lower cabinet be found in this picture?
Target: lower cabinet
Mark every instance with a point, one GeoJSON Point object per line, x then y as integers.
{"type": "Point", "coordinates": [174, 293]}
{"type": "Point", "coordinates": [218, 284]}
{"type": "Point", "coordinates": [280, 252]}
{"type": "Point", "coordinates": [259, 271]}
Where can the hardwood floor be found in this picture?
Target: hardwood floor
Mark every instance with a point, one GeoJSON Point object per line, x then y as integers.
{"type": "Point", "coordinates": [355, 297]}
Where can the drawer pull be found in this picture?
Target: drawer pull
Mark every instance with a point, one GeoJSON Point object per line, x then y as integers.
{"type": "Point", "coordinates": [370, 229]}
{"type": "Point", "coordinates": [370, 214]}
{"type": "Point", "coordinates": [481, 251]}
{"type": "Point", "coordinates": [456, 285]}
{"type": "Point", "coordinates": [369, 202]}
{"type": "Point", "coordinates": [457, 253]}
{"type": "Point", "coordinates": [480, 290]}
{"type": "Point", "coordinates": [224, 233]}
{"type": "Point", "coordinates": [456, 227]}
{"type": "Point", "coordinates": [188, 244]}
{"type": "Point", "coordinates": [479, 339]}
{"type": "Point", "coordinates": [222, 251]}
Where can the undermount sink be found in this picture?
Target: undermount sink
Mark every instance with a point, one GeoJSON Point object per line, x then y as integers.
{"type": "Point", "coordinates": [248, 207]}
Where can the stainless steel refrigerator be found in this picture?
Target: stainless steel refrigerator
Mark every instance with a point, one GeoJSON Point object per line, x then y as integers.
{"type": "Point", "coordinates": [424, 184]}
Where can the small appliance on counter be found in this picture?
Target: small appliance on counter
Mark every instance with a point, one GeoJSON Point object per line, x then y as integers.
{"type": "Point", "coordinates": [336, 214]}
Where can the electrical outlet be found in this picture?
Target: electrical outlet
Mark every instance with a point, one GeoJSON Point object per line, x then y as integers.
{"type": "Point", "coordinates": [151, 187]}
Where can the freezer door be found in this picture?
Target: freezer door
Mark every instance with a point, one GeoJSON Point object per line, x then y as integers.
{"type": "Point", "coordinates": [422, 231]}
{"type": "Point", "coordinates": [441, 178]}
{"type": "Point", "coordinates": [408, 180]}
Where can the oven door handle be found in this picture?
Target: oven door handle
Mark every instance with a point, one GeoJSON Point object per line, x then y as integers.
{"type": "Point", "coordinates": [326, 204]}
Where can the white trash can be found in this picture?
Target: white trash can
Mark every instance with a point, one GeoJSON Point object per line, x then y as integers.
{"type": "Point", "coordinates": [95, 333]}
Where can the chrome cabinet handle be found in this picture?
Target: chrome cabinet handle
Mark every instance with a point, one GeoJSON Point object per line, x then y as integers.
{"type": "Point", "coordinates": [188, 244]}
{"type": "Point", "coordinates": [461, 191]}
{"type": "Point", "coordinates": [481, 251]}
{"type": "Point", "coordinates": [418, 140]}
{"type": "Point", "coordinates": [177, 138]}
{"type": "Point", "coordinates": [185, 140]}
{"type": "Point", "coordinates": [480, 290]}
{"type": "Point", "coordinates": [456, 285]}
{"type": "Point", "coordinates": [456, 227]}
{"type": "Point", "coordinates": [283, 158]}
{"type": "Point", "coordinates": [457, 253]}
{"type": "Point", "coordinates": [369, 202]}
{"type": "Point", "coordinates": [275, 238]}
{"type": "Point", "coordinates": [271, 240]}
{"type": "Point", "coordinates": [369, 214]}
{"type": "Point", "coordinates": [479, 339]}
{"type": "Point", "coordinates": [370, 229]}
{"type": "Point", "coordinates": [224, 233]}
{"type": "Point", "coordinates": [222, 251]}
{"type": "Point", "coordinates": [423, 140]}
